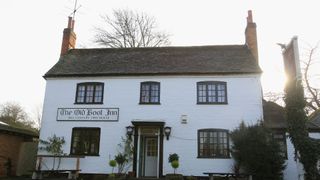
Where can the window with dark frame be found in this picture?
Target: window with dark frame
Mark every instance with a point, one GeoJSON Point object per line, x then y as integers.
{"type": "Point", "coordinates": [89, 93]}
{"type": "Point", "coordinates": [213, 143]}
{"type": "Point", "coordinates": [85, 141]}
{"type": "Point", "coordinates": [280, 138]}
{"type": "Point", "coordinates": [150, 93]}
{"type": "Point", "coordinates": [212, 92]}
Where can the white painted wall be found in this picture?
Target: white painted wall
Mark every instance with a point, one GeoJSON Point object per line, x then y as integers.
{"type": "Point", "coordinates": [178, 96]}
{"type": "Point", "coordinates": [294, 169]}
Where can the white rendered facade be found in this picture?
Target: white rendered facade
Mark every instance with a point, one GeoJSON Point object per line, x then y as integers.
{"type": "Point", "coordinates": [178, 98]}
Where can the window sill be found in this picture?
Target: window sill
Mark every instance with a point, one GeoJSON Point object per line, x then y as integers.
{"type": "Point", "coordinates": [88, 103]}
{"type": "Point", "coordinates": [209, 157]}
{"type": "Point", "coordinates": [85, 155]}
{"type": "Point", "coordinates": [212, 103]}
{"type": "Point", "coordinates": [149, 103]}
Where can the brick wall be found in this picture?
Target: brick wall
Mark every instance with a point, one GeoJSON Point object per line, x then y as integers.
{"type": "Point", "coordinates": [9, 148]}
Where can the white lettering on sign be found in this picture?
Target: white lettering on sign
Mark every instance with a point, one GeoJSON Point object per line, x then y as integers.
{"type": "Point", "coordinates": [88, 114]}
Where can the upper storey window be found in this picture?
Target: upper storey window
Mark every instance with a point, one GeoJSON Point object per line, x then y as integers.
{"type": "Point", "coordinates": [89, 93]}
{"type": "Point", "coordinates": [150, 93]}
{"type": "Point", "coordinates": [212, 92]}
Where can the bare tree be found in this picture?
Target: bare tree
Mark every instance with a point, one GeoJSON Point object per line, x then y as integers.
{"type": "Point", "coordinates": [37, 115]}
{"type": "Point", "coordinates": [14, 114]}
{"type": "Point", "coordinates": [312, 92]}
{"type": "Point", "coordinates": [13, 111]}
{"type": "Point", "coordinates": [127, 29]}
{"type": "Point", "coordinates": [276, 97]}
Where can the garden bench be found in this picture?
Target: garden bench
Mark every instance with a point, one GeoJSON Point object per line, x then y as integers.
{"type": "Point", "coordinates": [227, 175]}
{"type": "Point", "coordinates": [72, 173]}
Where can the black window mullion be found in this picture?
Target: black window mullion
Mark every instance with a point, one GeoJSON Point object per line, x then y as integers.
{"type": "Point", "coordinates": [85, 94]}
{"type": "Point", "coordinates": [94, 93]}
{"type": "Point", "coordinates": [216, 92]}
{"type": "Point", "coordinates": [207, 92]}
{"type": "Point", "coordinates": [208, 143]}
{"type": "Point", "coordinates": [89, 141]}
{"type": "Point", "coordinates": [158, 86]}
{"type": "Point", "coordinates": [218, 144]}
{"type": "Point", "coordinates": [150, 92]}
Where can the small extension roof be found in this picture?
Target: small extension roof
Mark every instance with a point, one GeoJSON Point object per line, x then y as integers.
{"type": "Point", "coordinates": [4, 127]}
{"type": "Point", "coordinates": [274, 117]}
{"type": "Point", "coordinates": [194, 60]}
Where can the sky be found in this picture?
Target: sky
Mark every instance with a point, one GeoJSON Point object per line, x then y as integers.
{"type": "Point", "coordinates": [31, 34]}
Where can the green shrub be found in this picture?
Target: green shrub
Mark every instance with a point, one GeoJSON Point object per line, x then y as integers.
{"type": "Point", "coordinates": [173, 157]}
{"type": "Point", "coordinates": [256, 153]}
{"type": "Point", "coordinates": [121, 160]}
{"type": "Point", "coordinates": [113, 163]}
{"type": "Point", "coordinates": [175, 165]}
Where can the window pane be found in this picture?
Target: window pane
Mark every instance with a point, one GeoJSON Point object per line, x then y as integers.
{"type": "Point", "coordinates": [154, 99]}
{"type": "Point", "coordinates": [211, 92]}
{"type": "Point", "coordinates": [213, 143]}
{"type": "Point", "coordinates": [81, 93]}
{"type": "Point", "coordinates": [150, 92]}
{"type": "Point", "coordinates": [89, 93]}
{"type": "Point", "coordinates": [89, 97]}
{"type": "Point", "coordinates": [202, 94]}
{"type": "Point", "coordinates": [98, 94]}
{"type": "Point", "coordinates": [85, 141]}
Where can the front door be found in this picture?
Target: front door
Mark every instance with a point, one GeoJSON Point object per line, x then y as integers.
{"type": "Point", "coordinates": [151, 156]}
{"type": "Point", "coordinates": [148, 150]}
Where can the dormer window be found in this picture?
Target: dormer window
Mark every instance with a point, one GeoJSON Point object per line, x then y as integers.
{"type": "Point", "coordinates": [89, 93]}
{"type": "Point", "coordinates": [150, 93]}
{"type": "Point", "coordinates": [212, 92]}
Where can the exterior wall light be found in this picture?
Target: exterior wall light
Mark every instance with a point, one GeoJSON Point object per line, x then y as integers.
{"type": "Point", "coordinates": [167, 131]}
{"type": "Point", "coordinates": [129, 131]}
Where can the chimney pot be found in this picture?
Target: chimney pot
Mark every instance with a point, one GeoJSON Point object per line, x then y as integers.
{"type": "Point", "coordinates": [70, 22]}
{"type": "Point", "coordinates": [249, 18]}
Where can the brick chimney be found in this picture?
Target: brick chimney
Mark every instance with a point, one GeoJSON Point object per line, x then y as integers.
{"type": "Point", "coordinates": [69, 37]}
{"type": "Point", "coordinates": [251, 36]}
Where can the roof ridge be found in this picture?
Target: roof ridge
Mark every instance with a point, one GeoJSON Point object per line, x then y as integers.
{"type": "Point", "coordinates": [161, 47]}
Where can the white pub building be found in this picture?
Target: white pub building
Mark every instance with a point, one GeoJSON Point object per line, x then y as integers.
{"type": "Point", "coordinates": [182, 100]}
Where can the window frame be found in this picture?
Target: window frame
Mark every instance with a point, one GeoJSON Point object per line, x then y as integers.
{"type": "Point", "coordinates": [283, 139]}
{"type": "Point", "coordinates": [85, 129]}
{"type": "Point", "coordinates": [218, 156]}
{"type": "Point", "coordinates": [86, 84]}
{"type": "Point", "coordinates": [215, 83]}
{"type": "Point", "coordinates": [149, 83]}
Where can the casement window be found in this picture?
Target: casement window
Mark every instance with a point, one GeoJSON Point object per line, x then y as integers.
{"type": "Point", "coordinates": [212, 92]}
{"type": "Point", "coordinates": [85, 141]}
{"type": "Point", "coordinates": [89, 93]}
{"type": "Point", "coordinates": [213, 143]}
{"type": "Point", "coordinates": [280, 138]}
{"type": "Point", "coordinates": [150, 93]}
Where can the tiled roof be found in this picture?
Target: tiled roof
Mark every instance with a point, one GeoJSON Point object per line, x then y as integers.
{"type": "Point", "coordinates": [274, 117]}
{"type": "Point", "coordinates": [4, 127]}
{"type": "Point", "coordinates": [315, 118]}
{"type": "Point", "coordinates": [227, 59]}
